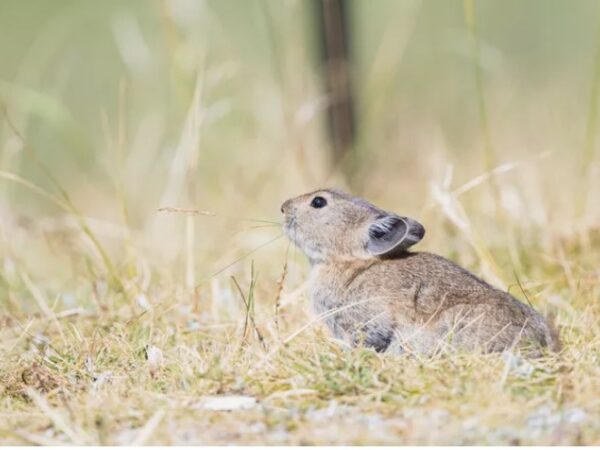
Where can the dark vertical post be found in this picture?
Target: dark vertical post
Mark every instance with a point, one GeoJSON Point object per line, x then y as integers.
{"type": "Point", "coordinates": [335, 54]}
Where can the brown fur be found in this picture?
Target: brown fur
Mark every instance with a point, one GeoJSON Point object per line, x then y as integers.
{"type": "Point", "coordinates": [399, 300]}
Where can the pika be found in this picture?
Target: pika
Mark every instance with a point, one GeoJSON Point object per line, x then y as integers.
{"type": "Point", "coordinates": [372, 291]}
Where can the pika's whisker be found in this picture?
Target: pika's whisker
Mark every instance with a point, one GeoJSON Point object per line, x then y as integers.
{"type": "Point", "coordinates": [198, 212]}
{"type": "Point", "coordinates": [249, 219]}
{"type": "Point", "coordinates": [254, 227]}
{"type": "Point", "coordinates": [271, 225]}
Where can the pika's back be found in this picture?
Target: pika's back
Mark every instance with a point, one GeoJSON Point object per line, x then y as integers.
{"type": "Point", "coordinates": [426, 299]}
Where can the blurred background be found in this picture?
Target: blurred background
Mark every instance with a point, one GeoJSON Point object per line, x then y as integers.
{"type": "Point", "coordinates": [479, 118]}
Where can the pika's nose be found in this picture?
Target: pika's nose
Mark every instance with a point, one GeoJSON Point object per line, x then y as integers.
{"type": "Point", "coordinates": [285, 206]}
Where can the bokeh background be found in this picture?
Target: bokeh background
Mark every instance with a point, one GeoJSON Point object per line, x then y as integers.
{"type": "Point", "coordinates": [222, 106]}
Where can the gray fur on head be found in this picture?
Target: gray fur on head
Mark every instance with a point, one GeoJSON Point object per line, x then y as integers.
{"type": "Point", "coordinates": [347, 227]}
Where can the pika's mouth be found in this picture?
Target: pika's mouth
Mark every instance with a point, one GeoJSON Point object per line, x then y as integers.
{"type": "Point", "coordinates": [289, 226]}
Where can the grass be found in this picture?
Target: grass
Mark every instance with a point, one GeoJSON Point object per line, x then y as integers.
{"type": "Point", "coordinates": [143, 274]}
{"type": "Point", "coordinates": [123, 366]}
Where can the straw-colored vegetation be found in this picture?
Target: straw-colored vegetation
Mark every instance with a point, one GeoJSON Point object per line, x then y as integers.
{"type": "Point", "coordinates": [146, 148]}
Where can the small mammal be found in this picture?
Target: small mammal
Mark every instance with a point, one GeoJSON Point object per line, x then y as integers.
{"type": "Point", "coordinates": [372, 291]}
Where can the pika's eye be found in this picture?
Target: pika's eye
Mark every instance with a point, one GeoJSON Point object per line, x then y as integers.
{"type": "Point", "coordinates": [318, 202]}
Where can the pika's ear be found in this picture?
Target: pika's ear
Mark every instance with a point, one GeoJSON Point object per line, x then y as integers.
{"type": "Point", "coordinates": [389, 235]}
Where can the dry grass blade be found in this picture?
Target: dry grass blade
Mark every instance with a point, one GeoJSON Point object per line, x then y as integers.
{"type": "Point", "coordinates": [280, 283]}
{"type": "Point", "coordinates": [146, 432]}
{"type": "Point", "coordinates": [77, 437]}
{"type": "Point", "coordinates": [35, 439]}
{"type": "Point", "coordinates": [172, 209]}
{"type": "Point", "coordinates": [66, 200]}
{"type": "Point", "coordinates": [249, 311]}
{"type": "Point", "coordinates": [32, 187]}
{"type": "Point", "coordinates": [42, 303]}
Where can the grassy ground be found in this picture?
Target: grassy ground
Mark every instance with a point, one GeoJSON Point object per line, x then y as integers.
{"type": "Point", "coordinates": [137, 357]}
{"type": "Point", "coordinates": [146, 292]}
{"type": "Point", "coordinates": [124, 372]}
